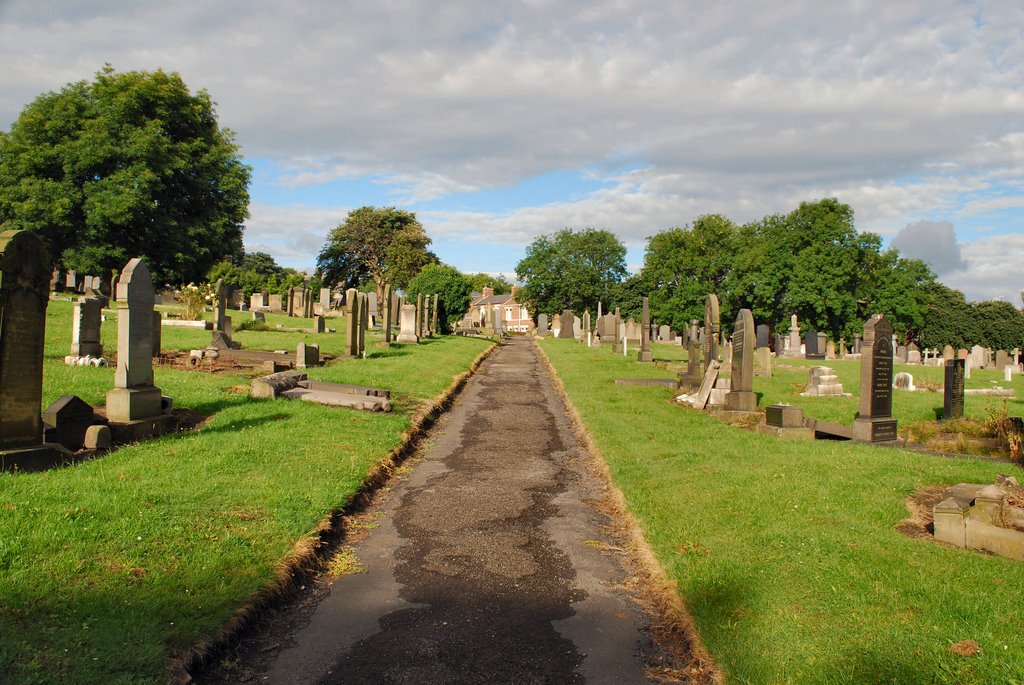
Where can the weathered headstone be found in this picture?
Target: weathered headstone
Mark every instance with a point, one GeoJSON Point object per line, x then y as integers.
{"type": "Point", "coordinates": [762, 336]}
{"type": "Point", "coordinates": [901, 356]}
{"type": "Point", "coordinates": [307, 355]}
{"type": "Point", "coordinates": [66, 421]}
{"type": "Point", "coordinates": [222, 331]}
{"type": "Point", "coordinates": [741, 395]}
{"type": "Point", "coordinates": [664, 333]}
{"type": "Point", "coordinates": [319, 324]}
{"type": "Point", "coordinates": [978, 357]}
{"type": "Point", "coordinates": [586, 337]}
{"type": "Point", "coordinates": [1002, 360]}
{"type": "Point", "coordinates": [913, 354]}
{"type": "Point", "coordinates": [542, 325]}
{"type": "Point", "coordinates": [857, 344]}
{"type": "Point", "coordinates": [274, 303]}
{"type": "Point", "coordinates": [953, 390]}
{"type": "Point", "coordinates": [419, 316]}
{"type": "Point", "coordinates": [565, 320]}
{"type": "Point", "coordinates": [822, 381]}
{"type": "Point", "coordinates": [352, 322]}
{"type": "Point", "coordinates": [712, 327]}
{"type": "Point", "coordinates": [85, 328]}
{"type": "Point", "coordinates": [644, 355]}
{"type": "Point", "coordinates": [577, 327]}
{"type": "Point", "coordinates": [434, 305]}
{"type": "Point", "coordinates": [811, 346]}
{"type": "Point", "coordinates": [24, 294]}
{"type": "Point", "coordinates": [325, 301]}
{"type": "Point", "coordinates": [407, 323]}
{"type": "Point", "coordinates": [135, 402]}
{"type": "Point", "coordinates": [763, 361]}
{"type": "Point", "coordinates": [948, 353]}
{"type": "Point", "coordinates": [364, 321]}
{"type": "Point", "coordinates": [388, 315]}
{"type": "Point", "coordinates": [874, 422]}
{"type": "Point", "coordinates": [830, 349]}
{"type": "Point", "coordinates": [794, 338]}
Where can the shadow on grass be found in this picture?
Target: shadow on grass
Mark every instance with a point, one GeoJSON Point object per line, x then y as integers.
{"type": "Point", "coordinates": [232, 426]}
{"type": "Point", "coordinates": [390, 352]}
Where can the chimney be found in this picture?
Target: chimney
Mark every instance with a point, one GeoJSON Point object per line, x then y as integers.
{"type": "Point", "coordinates": [515, 290]}
{"type": "Point", "coordinates": [488, 291]}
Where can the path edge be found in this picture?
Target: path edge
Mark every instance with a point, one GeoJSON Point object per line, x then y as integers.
{"type": "Point", "coordinates": [672, 623]}
{"type": "Point", "coordinates": [306, 558]}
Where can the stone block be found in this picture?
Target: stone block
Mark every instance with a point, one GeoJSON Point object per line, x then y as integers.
{"type": "Point", "coordinates": [131, 404]}
{"type": "Point", "coordinates": [784, 416]}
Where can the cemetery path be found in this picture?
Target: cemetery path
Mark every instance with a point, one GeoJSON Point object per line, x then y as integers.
{"type": "Point", "coordinates": [487, 564]}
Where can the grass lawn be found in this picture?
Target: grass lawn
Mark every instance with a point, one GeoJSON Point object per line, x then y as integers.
{"type": "Point", "coordinates": [110, 566]}
{"type": "Point", "coordinates": [786, 552]}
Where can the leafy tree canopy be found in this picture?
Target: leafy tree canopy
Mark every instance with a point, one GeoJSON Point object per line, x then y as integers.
{"type": "Point", "coordinates": [386, 244]}
{"type": "Point", "coordinates": [452, 287]}
{"type": "Point", "coordinates": [500, 284]}
{"type": "Point", "coordinates": [130, 164]}
{"type": "Point", "coordinates": [571, 270]}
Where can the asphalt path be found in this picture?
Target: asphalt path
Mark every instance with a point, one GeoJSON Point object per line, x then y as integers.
{"type": "Point", "coordinates": [488, 563]}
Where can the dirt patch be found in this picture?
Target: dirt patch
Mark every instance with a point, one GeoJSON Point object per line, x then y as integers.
{"type": "Point", "coordinates": [965, 648]}
{"type": "Point", "coordinates": [919, 525]}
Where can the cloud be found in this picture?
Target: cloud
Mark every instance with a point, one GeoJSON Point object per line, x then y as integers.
{"type": "Point", "coordinates": [934, 243]}
{"type": "Point", "coordinates": [993, 271]}
{"type": "Point", "coordinates": [294, 235]}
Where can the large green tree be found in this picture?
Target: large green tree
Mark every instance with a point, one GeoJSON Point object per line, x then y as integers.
{"type": "Point", "coordinates": [387, 245]}
{"type": "Point", "coordinates": [683, 265]}
{"type": "Point", "coordinates": [571, 270]}
{"type": "Point", "coordinates": [130, 164]}
{"type": "Point", "coordinates": [452, 287]}
{"type": "Point", "coordinates": [1000, 325]}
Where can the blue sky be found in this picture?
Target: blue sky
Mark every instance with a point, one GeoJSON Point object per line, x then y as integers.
{"type": "Point", "coordinates": [498, 122]}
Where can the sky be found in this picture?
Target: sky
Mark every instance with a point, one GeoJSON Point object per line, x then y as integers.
{"type": "Point", "coordinates": [497, 122]}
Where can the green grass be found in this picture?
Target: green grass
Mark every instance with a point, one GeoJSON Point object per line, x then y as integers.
{"type": "Point", "coordinates": [786, 552]}
{"type": "Point", "coordinates": [110, 566]}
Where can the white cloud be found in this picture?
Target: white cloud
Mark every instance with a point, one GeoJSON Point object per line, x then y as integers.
{"type": "Point", "coordinates": [994, 269]}
{"type": "Point", "coordinates": [933, 242]}
{"type": "Point", "coordinates": [906, 111]}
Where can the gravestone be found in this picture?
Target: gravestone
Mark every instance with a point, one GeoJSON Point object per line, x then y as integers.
{"type": "Point", "coordinates": [352, 322]}
{"type": "Point", "coordinates": [811, 346]}
{"type": "Point", "coordinates": [694, 369]}
{"type": "Point", "coordinates": [577, 328]}
{"type": "Point", "coordinates": [407, 324]}
{"type": "Point", "coordinates": [542, 325]}
{"type": "Point", "coordinates": [419, 316]}
{"type": "Point", "coordinates": [388, 314]}
{"type": "Point", "coordinates": [364, 321]}
{"type": "Point", "coordinates": [1002, 360]}
{"type": "Point", "coordinates": [565, 321]}
{"type": "Point", "coordinates": [66, 421]}
{"type": "Point", "coordinates": [904, 381]}
{"type": "Point", "coordinates": [135, 402]}
{"type": "Point", "coordinates": [613, 332]}
{"type": "Point", "coordinates": [372, 310]}
{"type": "Point", "coordinates": [259, 316]}
{"type": "Point", "coordinates": [830, 350]}
{"type": "Point", "coordinates": [712, 329]}
{"type": "Point", "coordinates": [857, 344]}
{"type": "Point", "coordinates": [953, 390]}
{"type": "Point", "coordinates": [71, 280]}
{"type": "Point", "coordinates": [822, 381]}
{"type": "Point", "coordinates": [664, 333]}
{"type": "Point", "coordinates": [222, 332]}
{"type": "Point", "coordinates": [319, 325]}
{"type": "Point", "coordinates": [902, 354]}
{"type": "Point", "coordinates": [794, 338]}
{"type": "Point", "coordinates": [274, 303]}
{"type": "Point", "coordinates": [913, 354]}
{"type": "Point", "coordinates": [948, 353]}
{"type": "Point", "coordinates": [707, 385]}
{"type": "Point", "coordinates": [780, 345]}
{"type": "Point", "coordinates": [762, 336]}
{"type": "Point", "coordinates": [741, 395]}
{"type": "Point", "coordinates": [586, 327]}
{"type": "Point", "coordinates": [763, 361]}
{"type": "Point", "coordinates": [978, 357]}
{"type": "Point", "coordinates": [433, 314]}
{"type": "Point", "coordinates": [307, 355]}
{"type": "Point", "coordinates": [85, 328]}
{"type": "Point", "coordinates": [158, 330]}
{"type": "Point", "coordinates": [325, 300]}
{"type": "Point", "coordinates": [874, 422]}
{"type": "Point", "coordinates": [644, 355]}
{"type": "Point", "coordinates": [24, 294]}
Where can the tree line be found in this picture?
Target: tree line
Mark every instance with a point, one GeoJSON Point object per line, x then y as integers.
{"type": "Point", "coordinates": [811, 262]}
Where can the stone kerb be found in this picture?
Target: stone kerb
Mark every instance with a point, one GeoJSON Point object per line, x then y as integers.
{"type": "Point", "coordinates": [24, 294]}
{"type": "Point", "coordinates": [741, 396]}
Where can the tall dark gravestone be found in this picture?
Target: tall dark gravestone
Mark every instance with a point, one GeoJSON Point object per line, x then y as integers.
{"type": "Point", "coordinates": [388, 304]}
{"type": "Point", "coordinates": [741, 396]}
{"type": "Point", "coordinates": [874, 423]}
{"type": "Point", "coordinates": [953, 393]}
{"type": "Point", "coordinates": [763, 336]}
{"type": "Point", "coordinates": [811, 350]}
{"type": "Point", "coordinates": [712, 327]}
{"type": "Point", "coordinates": [24, 294]}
